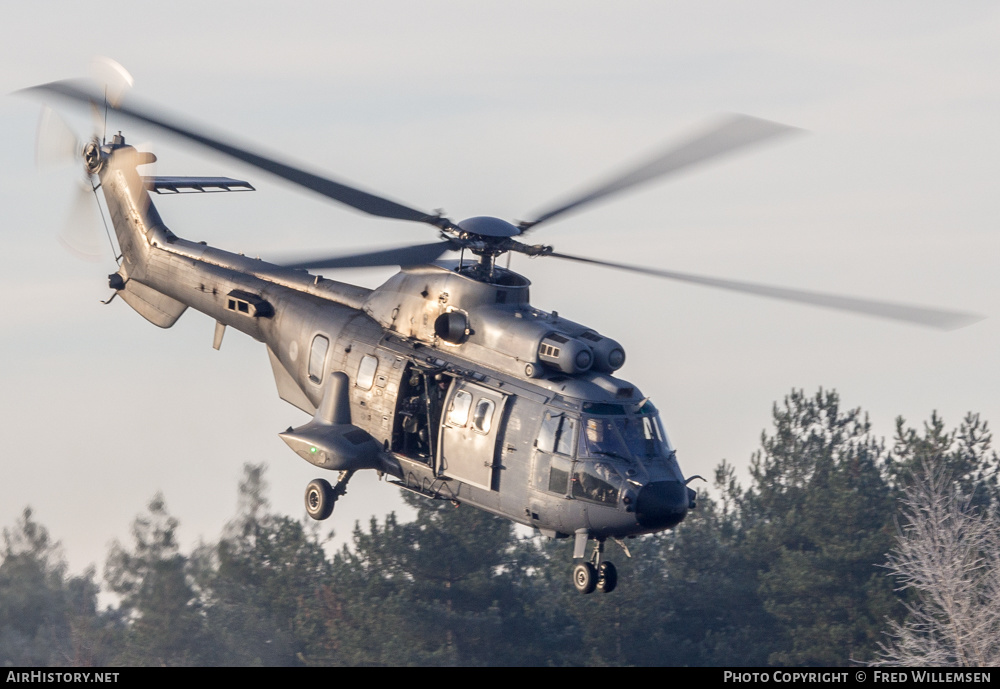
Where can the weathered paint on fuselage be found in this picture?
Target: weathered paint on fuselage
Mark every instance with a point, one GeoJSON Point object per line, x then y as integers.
{"type": "Point", "coordinates": [168, 274]}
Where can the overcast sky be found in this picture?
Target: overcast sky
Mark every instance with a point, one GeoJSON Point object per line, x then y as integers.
{"type": "Point", "coordinates": [500, 108]}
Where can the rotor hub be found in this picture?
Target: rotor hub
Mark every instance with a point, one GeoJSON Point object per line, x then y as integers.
{"type": "Point", "coordinates": [93, 159]}
{"type": "Point", "coordinates": [487, 226]}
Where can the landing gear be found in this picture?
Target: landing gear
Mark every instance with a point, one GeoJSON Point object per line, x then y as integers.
{"type": "Point", "coordinates": [319, 499]}
{"type": "Point", "coordinates": [607, 577]}
{"type": "Point", "coordinates": [595, 574]}
{"type": "Point", "coordinates": [321, 496]}
{"type": "Point", "coordinates": [585, 577]}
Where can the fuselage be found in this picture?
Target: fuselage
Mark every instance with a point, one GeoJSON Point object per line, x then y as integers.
{"type": "Point", "coordinates": [464, 386]}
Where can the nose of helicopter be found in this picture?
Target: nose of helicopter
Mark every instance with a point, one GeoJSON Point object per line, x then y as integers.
{"type": "Point", "coordinates": [661, 504]}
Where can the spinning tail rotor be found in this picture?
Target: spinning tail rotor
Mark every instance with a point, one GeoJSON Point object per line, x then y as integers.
{"type": "Point", "coordinates": [83, 234]}
{"type": "Point", "coordinates": [56, 146]}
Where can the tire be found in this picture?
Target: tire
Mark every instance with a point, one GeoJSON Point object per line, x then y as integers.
{"type": "Point", "coordinates": [607, 577]}
{"type": "Point", "coordinates": [319, 499]}
{"type": "Point", "coordinates": [585, 577]}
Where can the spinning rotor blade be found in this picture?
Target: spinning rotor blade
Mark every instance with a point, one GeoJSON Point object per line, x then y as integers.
{"type": "Point", "coordinates": [116, 79]}
{"type": "Point", "coordinates": [934, 318]}
{"type": "Point", "coordinates": [401, 256]}
{"type": "Point", "coordinates": [56, 144]}
{"type": "Point", "coordinates": [734, 133]}
{"type": "Point", "coordinates": [116, 82]}
{"type": "Point", "coordinates": [342, 193]}
{"type": "Point", "coordinates": [81, 234]}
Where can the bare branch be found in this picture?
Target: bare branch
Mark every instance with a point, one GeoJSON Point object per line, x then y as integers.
{"type": "Point", "coordinates": [948, 561]}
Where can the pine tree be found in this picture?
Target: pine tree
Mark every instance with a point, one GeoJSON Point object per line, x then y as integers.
{"type": "Point", "coordinates": [257, 580]}
{"type": "Point", "coordinates": [819, 520]}
{"type": "Point", "coordinates": [157, 596]}
{"type": "Point", "coordinates": [46, 616]}
{"type": "Point", "coordinates": [686, 597]}
{"type": "Point", "coordinates": [449, 588]}
{"type": "Point", "coordinates": [965, 454]}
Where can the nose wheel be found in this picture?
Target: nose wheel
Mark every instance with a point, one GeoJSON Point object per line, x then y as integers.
{"type": "Point", "coordinates": [321, 496]}
{"type": "Point", "coordinates": [595, 575]}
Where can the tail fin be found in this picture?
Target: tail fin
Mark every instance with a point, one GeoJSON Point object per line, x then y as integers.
{"type": "Point", "coordinates": [155, 307]}
{"type": "Point", "coordinates": [138, 228]}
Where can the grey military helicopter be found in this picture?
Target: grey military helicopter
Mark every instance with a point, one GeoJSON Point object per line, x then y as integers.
{"type": "Point", "coordinates": [445, 378]}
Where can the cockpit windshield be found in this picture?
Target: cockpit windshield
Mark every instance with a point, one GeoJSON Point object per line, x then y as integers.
{"type": "Point", "coordinates": [600, 439]}
{"type": "Point", "coordinates": [638, 434]}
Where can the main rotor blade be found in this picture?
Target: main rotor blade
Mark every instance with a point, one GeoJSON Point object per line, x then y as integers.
{"type": "Point", "coordinates": [115, 81]}
{"type": "Point", "coordinates": [342, 193]}
{"type": "Point", "coordinates": [934, 318]}
{"type": "Point", "coordinates": [400, 256]}
{"type": "Point", "coordinates": [732, 134]}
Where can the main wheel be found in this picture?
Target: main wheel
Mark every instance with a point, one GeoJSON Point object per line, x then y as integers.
{"type": "Point", "coordinates": [585, 577]}
{"type": "Point", "coordinates": [607, 577]}
{"type": "Point", "coordinates": [319, 499]}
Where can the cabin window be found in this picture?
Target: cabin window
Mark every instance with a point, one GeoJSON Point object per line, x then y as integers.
{"type": "Point", "coordinates": [366, 372]}
{"type": "Point", "coordinates": [317, 357]}
{"type": "Point", "coordinates": [238, 305]}
{"type": "Point", "coordinates": [458, 415]}
{"type": "Point", "coordinates": [482, 419]}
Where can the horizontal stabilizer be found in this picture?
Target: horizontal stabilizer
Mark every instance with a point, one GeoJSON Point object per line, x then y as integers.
{"type": "Point", "coordinates": [192, 185]}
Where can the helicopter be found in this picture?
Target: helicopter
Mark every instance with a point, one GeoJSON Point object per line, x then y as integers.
{"type": "Point", "coordinates": [444, 379]}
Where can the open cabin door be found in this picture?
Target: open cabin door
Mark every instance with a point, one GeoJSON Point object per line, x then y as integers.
{"type": "Point", "coordinates": [470, 431]}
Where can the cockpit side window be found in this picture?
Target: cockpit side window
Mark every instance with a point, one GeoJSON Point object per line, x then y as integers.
{"type": "Point", "coordinates": [551, 473]}
{"type": "Point", "coordinates": [546, 441]}
{"type": "Point", "coordinates": [597, 482]}
{"type": "Point", "coordinates": [566, 436]}
{"type": "Point", "coordinates": [558, 478]}
{"type": "Point", "coordinates": [557, 434]}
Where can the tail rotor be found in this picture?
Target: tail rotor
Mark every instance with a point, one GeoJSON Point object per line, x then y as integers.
{"type": "Point", "coordinates": [58, 146]}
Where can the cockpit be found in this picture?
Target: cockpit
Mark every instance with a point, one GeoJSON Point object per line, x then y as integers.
{"type": "Point", "coordinates": [611, 430]}
{"type": "Point", "coordinates": [598, 455]}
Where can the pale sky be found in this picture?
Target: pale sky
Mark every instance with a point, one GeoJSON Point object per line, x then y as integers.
{"type": "Point", "coordinates": [499, 108]}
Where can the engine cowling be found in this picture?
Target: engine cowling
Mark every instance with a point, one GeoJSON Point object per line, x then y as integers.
{"type": "Point", "coordinates": [567, 354]}
{"type": "Point", "coordinates": [609, 356]}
